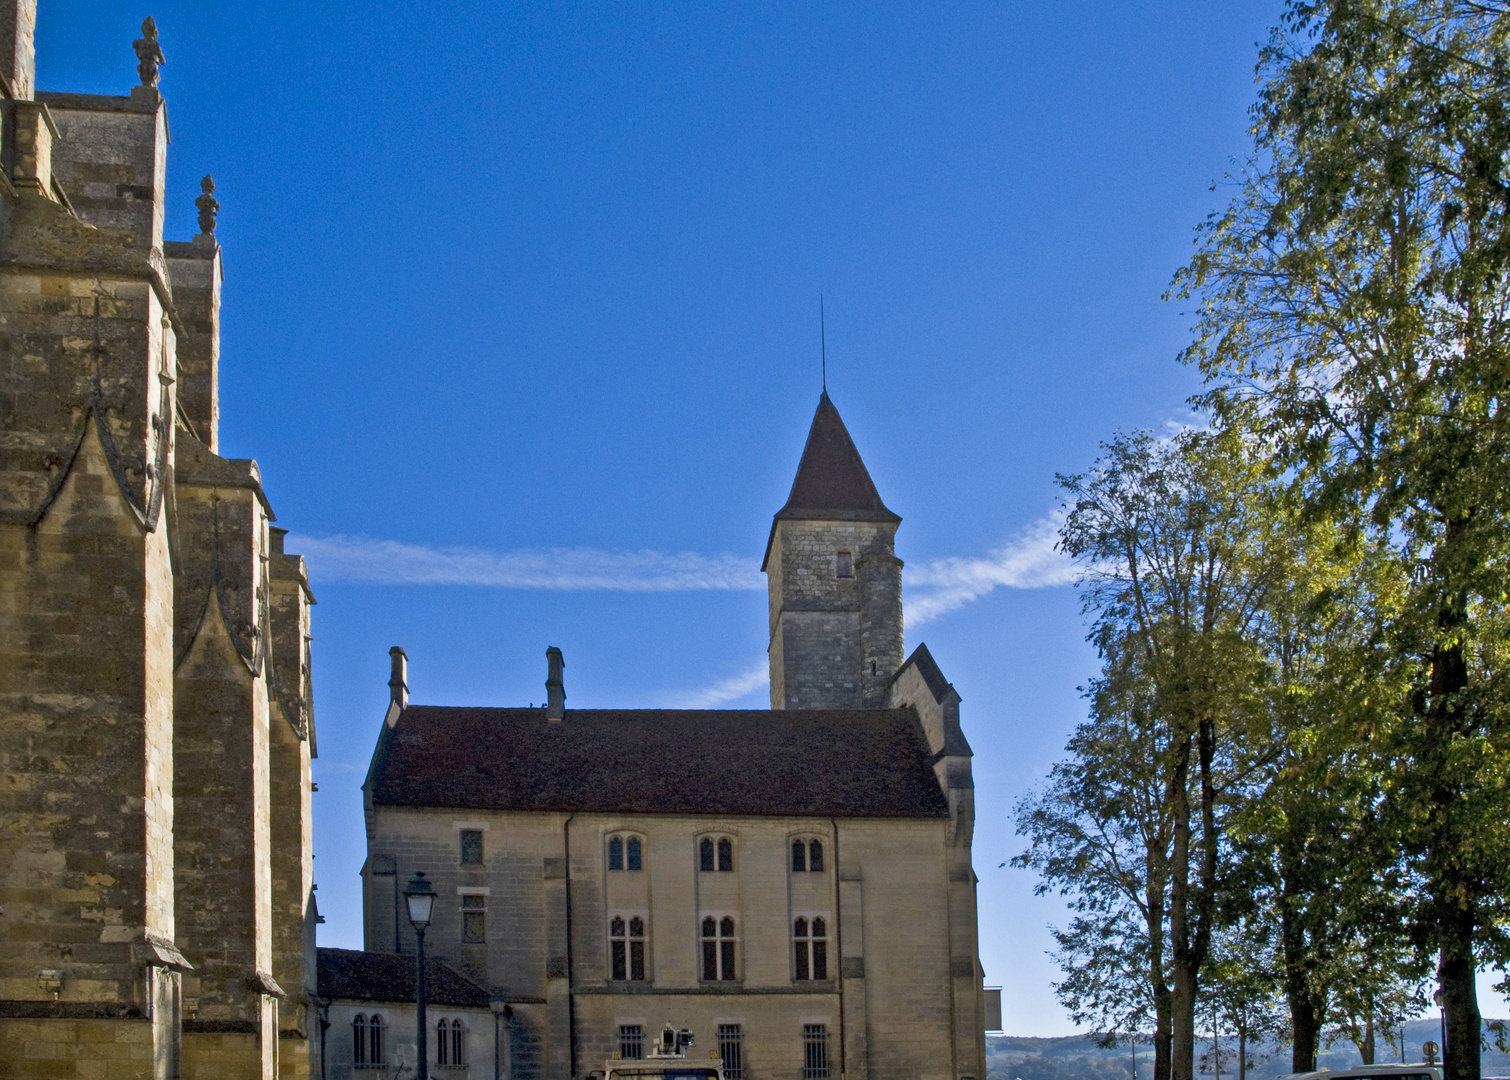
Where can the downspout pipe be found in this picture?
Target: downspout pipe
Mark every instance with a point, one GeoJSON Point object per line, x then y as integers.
{"type": "Point", "coordinates": [839, 948]}
{"type": "Point", "coordinates": [571, 992]}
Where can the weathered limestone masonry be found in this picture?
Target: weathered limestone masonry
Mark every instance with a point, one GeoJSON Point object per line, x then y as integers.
{"type": "Point", "coordinates": [835, 582]}
{"type": "Point", "coordinates": [794, 882]}
{"type": "Point", "coordinates": [155, 726]}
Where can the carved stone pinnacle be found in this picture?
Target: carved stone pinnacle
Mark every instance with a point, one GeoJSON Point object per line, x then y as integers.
{"type": "Point", "coordinates": [149, 54]}
{"type": "Point", "coordinates": [208, 205]}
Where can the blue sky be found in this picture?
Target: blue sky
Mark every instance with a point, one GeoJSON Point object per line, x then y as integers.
{"type": "Point", "coordinates": [521, 323]}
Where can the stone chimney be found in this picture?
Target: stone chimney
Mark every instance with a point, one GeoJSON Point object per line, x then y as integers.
{"type": "Point", "coordinates": [18, 57]}
{"type": "Point", "coordinates": [398, 682]}
{"type": "Point", "coordinates": [555, 688]}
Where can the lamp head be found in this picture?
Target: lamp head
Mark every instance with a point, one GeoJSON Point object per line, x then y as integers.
{"type": "Point", "coordinates": [497, 1004]}
{"type": "Point", "coordinates": [420, 896]}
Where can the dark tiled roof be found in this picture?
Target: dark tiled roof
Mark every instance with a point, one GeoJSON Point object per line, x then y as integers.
{"type": "Point", "coordinates": [832, 481]}
{"type": "Point", "coordinates": [365, 976]}
{"type": "Point", "coordinates": [758, 763]}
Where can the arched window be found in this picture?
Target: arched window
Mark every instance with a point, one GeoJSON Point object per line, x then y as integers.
{"type": "Point", "coordinates": [718, 948]}
{"type": "Point", "coordinates": [626, 947]}
{"type": "Point", "coordinates": [359, 1040]}
{"type": "Point", "coordinates": [715, 853]}
{"type": "Point", "coordinates": [442, 1042]}
{"type": "Point", "coordinates": [377, 1053]}
{"type": "Point", "coordinates": [626, 853]}
{"type": "Point", "coordinates": [810, 941]}
{"type": "Point", "coordinates": [807, 856]}
{"type": "Point", "coordinates": [458, 1043]}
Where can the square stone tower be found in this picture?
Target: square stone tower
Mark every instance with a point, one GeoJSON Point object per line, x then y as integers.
{"type": "Point", "coordinates": [834, 580]}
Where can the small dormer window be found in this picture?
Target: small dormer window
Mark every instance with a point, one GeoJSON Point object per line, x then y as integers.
{"type": "Point", "coordinates": [844, 563]}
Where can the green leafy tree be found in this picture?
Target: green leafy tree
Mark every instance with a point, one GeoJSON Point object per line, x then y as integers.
{"type": "Point", "coordinates": [1353, 303]}
{"type": "Point", "coordinates": [1241, 993]}
{"type": "Point", "coordinates": [1180, 552]}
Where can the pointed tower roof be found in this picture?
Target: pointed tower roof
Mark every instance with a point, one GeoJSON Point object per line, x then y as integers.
{"type": "Point", "coordinates": [832, 482]}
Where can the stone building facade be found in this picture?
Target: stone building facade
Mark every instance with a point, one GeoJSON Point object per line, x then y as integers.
{"type": "Point", "coordinates": [155, 710]}
{"type": "Point", "coordinates": [794, 884]}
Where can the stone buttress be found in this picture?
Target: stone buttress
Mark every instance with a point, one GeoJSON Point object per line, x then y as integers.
{"type": "Point", "coordinates": [146, 613]}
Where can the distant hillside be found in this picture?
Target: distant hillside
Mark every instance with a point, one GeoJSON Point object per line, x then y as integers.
{"type": "Point", "coordinates": [1076, 1057]}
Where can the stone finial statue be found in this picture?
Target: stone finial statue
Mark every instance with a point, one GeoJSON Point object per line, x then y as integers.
{"type": "Point", "coordinates": [149, 54]}
{"type": "Point", "coordinates": [208, 205]}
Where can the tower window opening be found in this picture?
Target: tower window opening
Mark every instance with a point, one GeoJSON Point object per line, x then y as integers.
{"type": "Point", "coordinates": [474, 919]}
{"type": "Point", "coordinates": [845, 564]}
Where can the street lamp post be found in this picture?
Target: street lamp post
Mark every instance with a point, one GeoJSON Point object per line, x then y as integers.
{"type": "Point", "coordinates": [499, 1006]}
{"type": "Point", "coordinates": [420, 896]}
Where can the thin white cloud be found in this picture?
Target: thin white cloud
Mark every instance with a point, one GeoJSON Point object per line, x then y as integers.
{"type": "Point", "coordinates": [364, 560]}
{"type": "Point", "coordinates": [1030, 561]}
{"type": "Point", "coordinates": [720, 693]}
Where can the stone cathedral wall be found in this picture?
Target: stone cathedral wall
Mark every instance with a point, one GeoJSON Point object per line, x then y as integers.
{"type": "Point", "coordinates": [155, 725]}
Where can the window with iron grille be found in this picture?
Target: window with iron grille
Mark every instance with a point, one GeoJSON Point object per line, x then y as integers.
{"type": "Point", "coordinates": [731, 1049]}
{"type": "Point", "coordinates": [631, 1042]}
{"type": "Point", "coordinates": [626, 947]}
{"type": "Point", "coordinates": [474, 919]}
{"type": "Point", "coordinates": [718, 948]}
{"type": "Point", "coordinates": [814, 1052]}
{"type": "Point", "coordinates": [844, 564]}
{"type": "Point", "coordinates": [471, 847]}
{"type": "Point", "coordinates": [810, 948]}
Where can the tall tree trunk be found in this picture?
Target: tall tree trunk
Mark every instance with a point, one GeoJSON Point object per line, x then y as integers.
{"type": "Point", "coordinates": [1454, 890]}
{"type": "Point", "coordinates": [1456, 973]}
{"type": "Point", "coordinates": [1306, 1011]}
{"type": "Point", "coordinates": [1307, 1001]}
{"type": "Point", "coordinates": [1163, 1039]}
{"type": "Point", "coordinates": [1154, 900]}
{"type": "Point", "coordinates": [1242, 1052]}
{"type": "Point", "coordinates": [1367, 1049]}
{"type": "Point", "coordinates": [1182, 1041]}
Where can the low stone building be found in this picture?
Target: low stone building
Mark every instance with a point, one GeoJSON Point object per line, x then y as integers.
{"type": "Point", "coordinates": [793, 884]}
{"type": "Point", "coordinates": [155, 707]}
{"type": "Point", "coordinates": [367, 1015]}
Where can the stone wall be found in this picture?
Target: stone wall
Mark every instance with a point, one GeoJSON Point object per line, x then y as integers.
{"type": "Point", "coordinates": [136, 622]}
{"type": "Point", "coordinates": [897, 936]}
{"type": "Point", "coordinates": [835, 641]}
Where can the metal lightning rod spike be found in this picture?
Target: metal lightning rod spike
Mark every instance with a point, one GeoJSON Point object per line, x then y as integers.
{"type": "Point", "coordinates": [823, 342]}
